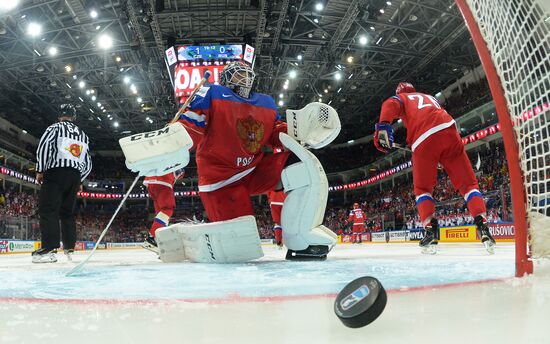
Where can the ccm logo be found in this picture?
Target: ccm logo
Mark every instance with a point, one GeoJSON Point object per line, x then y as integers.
{"type": "Point", "coordinates": [294, 124]}
{"type": "Point", "coordinates": [457, 233]}
{"type": "Point", "coordinates": [150, 134]}
{"type": "Point", "coordinates": [207, 238]}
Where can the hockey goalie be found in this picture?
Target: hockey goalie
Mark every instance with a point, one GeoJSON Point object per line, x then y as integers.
{"type": "Point", "coordinates": [228, 125]}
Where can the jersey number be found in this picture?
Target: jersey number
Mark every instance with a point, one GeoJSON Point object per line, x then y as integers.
{"type": "Point", "coordinates": [421, 97]}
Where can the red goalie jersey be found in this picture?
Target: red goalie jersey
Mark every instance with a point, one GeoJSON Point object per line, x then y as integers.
{"type": "Point", "coordinates": [237, 129]}
{"type": "Point", "coordinates": [421, 114]}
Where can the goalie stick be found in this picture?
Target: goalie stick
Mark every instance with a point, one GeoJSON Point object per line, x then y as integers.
{"type": "Point", "coordinates": [191, 96]}
{"type": "Point", "coordinates": [81, 264]}
{"type": "Point", "coordinates": [79, 267]}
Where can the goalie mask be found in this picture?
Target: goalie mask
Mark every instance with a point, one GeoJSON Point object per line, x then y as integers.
{"type": "Point", "coordinates": [238, 76]}
{"type": "Point", "coordinates": [404, 87]}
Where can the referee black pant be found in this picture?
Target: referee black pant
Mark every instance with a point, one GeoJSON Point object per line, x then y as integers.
{"type": "Point", "coordinates": [56, 204]}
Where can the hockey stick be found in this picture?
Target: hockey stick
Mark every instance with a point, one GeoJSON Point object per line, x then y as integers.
{"type": "Point", "coordinates": [79, 267]}
{"type": "Point", "coordinates": [190, 98]}
{"type": "Point", "coordinates": [402, 147]}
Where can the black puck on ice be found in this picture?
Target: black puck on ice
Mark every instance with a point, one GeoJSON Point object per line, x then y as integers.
{"type": "Point", "coordinates": [360, 302]}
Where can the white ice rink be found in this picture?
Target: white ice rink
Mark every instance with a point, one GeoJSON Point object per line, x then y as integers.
{"type": "Point", "coordinates": [461, 295]}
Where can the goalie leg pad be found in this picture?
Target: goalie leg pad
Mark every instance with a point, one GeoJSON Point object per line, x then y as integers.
{"type": "Point", "coordinates": [306, 186]}
{"type": "Point", "coordinates": [157, 152]}
{"type": "Point", "coordinates": [232, 241]}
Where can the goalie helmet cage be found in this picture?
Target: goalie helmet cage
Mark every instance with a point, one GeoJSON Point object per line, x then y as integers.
{"type": "Point", "coordinates": [512, 39]}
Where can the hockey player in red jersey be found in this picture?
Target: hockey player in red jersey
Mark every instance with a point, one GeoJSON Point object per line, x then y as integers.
{"type": "Point", "coordinates": [356, 219]}
{"type": "Point", "coordinates": [433, 137]}
{"type": "Point", "coordinates": [161, 192]}
{"type": "Point", "coordinates": [228, 126]}
{"type": "Point", "coordinates": [276, 200]}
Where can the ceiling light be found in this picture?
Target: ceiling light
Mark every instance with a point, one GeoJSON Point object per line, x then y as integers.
{"type": "Point", "coordinates": [52, 51]}
{"type": "Point", "coordinates": [319, 6]}
{"type": "Point", "coordinates": [326, 90]}
{"type": "Point", "coordinates": [350, 59]}
{"type": "Point", "coordinates": [93, 13]}
{"type": "Point", "coordinates": [388, 3]}
{"type": "Point", "coordinates": [98, 27]}
{"type": "Point", "coordinates": [8, 5]}
{"type": "Point", "coordinates": [82, 84]}
{"type": "Point", "coordinates": [118, 59]}
{"type": "Point", "coordinates": [281, 103]}
{"type": "Point", "coordinates": [94, 98]}
{"type": "Point", "coordinates": [75, 77]}
{"type": "Point", "coordinates": [139, 100]}
{"type": "Point", "coordinates": [92, 91]}
{"type": "Point", "coordinates": [320, 100]}
{"type": "Point", "coordinates": [316, 20]}
{"type": "Point", "coordinates": [105, 41]}
{"type": "Point", "coordinates": [292, 74]}
{"type": "Point", "coordinates": [115, 124]}
{"type": "Point", "coordinates": [37, 53]}
{"type": "Point", "coordinates": [337, 76]}
{"type": "Point", "coordinates": [372, 28]}
{"type": "Point", "coordinates": [87, 92]}
{"type": "Point", "coordinates": [285, 87]}
{"type": "Point", "coordinates": [299, 57]}
{"type": "Point", "coordinates": [363, 40]}
{"type": "Point", "coordinates": [382, 10]}
{"type": "Point", "coordinates": [126, 79]}
{"type": "Point", "coordinates": [68, 68]}
{"type": "Point", "coordinates": [98, 104]}
{"type": "Point", "coordinates": [34, 29]}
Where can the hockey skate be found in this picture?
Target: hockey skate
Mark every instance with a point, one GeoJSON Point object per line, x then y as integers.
{"type": "Point", "coordinates": [69, 253]}
{"type": "Point", "coordinates": [428, 244]}
{"type": "Point", "coordinates": [150, 244]}
{"type": "Point", "coordinates": [486, 237]}
{"type": "Point", "coordinates": [279, 245]}
{"type": "Point", "coordinates": [313, 252]}
{"type": "Point", "coordinates": [44, 255]}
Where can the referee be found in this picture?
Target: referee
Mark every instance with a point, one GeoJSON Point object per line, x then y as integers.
{"type": "Point", "coordinates": [63, 163]}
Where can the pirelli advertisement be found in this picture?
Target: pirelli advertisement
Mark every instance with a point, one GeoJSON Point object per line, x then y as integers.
{"type": "Point", "coordinates": [500, 231]}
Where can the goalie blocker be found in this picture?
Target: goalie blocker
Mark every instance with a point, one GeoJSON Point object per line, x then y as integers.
{"type": "Point", "coordinates": [157, 152]}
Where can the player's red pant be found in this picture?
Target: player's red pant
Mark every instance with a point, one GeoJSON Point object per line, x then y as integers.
{"type": "Point", "coordinates": [164, 203]}
{"type": "Point", "coordinates": [233, 200]}
{"type": "Point", "coordinates": [444, 147]}
{"type": "Point", "coordinates": [276, 200]}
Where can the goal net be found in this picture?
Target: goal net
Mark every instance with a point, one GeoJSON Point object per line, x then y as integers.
{"type": "Point", "coordinates": [513, 39]}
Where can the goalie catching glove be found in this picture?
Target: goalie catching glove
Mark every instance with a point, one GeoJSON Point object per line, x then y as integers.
{"type": "Point", "coordinates": [383, 137]}
{"type": "Point", "coordinates": [157, 152]}
{"type": "Point", "coordinates": [315, 126]}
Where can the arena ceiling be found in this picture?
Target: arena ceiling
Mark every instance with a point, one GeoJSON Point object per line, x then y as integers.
{"type": "Point", "coordinates": [350, 54]}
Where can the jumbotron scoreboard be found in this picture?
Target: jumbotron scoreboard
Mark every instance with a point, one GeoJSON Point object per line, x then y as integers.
{"type": "Point", "coordinates": [187, 63]}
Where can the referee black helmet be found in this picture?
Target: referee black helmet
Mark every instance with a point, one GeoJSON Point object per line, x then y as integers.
{"type": "Point", "coordinates": [67, 110]}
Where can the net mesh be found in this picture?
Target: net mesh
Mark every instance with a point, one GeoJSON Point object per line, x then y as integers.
{"type": "Point", "coordinates": [517, 34]}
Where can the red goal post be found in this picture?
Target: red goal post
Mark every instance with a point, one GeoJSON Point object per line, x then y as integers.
{"type": "Point", "coordinates": [512, 38]}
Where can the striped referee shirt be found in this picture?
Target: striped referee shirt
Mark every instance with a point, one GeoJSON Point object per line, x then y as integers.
{"type": "Point", "coordinates": [64, 145]}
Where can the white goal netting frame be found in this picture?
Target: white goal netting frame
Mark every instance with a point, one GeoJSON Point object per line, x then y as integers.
{"type": "Point", "coordinates": [512, 38]}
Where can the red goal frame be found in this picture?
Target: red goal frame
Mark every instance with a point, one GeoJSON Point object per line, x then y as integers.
{"type": "Point", "coordinates": [524, 265]}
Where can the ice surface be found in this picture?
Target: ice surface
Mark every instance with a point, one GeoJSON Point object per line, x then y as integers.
{"type": "Point", "coordinates": [130, 297]}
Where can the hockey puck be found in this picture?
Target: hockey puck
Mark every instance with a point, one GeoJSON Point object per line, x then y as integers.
{"type": "Point", "coordinates": [360, 302]}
